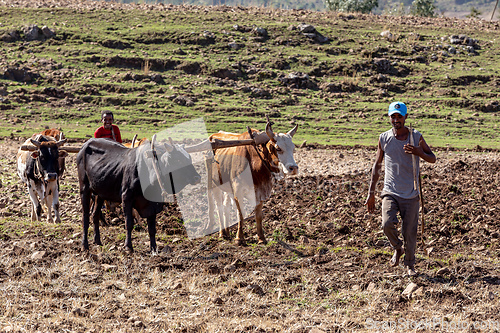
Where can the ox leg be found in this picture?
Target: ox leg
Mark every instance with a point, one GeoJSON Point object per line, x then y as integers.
{"type": "Point", "coordinates": [95, 218]}
{"type": "Point", "coordinates": [36, 209]}
{"type": "Point", "coordinates": [152, 233]}
{"type": "Point", "coordinates": [85, 198]}
{"type": "Point", "coordinates": [226, 212]}
{"type": "Point", "coordinates": [217, 196]}
{"type": "Point", "coordinates": [129, 224]}
{"type": "Point", "coordinates": [51, 198]}
{"type": "Point", "coordinates": [258, 219]}
{"type": "Point", "coordinates": [240, 237]}
{"type": "Point", "coordinates": [211, 208]}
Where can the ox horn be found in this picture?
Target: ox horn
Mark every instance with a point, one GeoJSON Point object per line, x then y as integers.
{"type": "Point", "coordinates": [153, 142]}
{"type": "Point", "coordinates": [35, 143]}
{"type": "Point", "coordinates": [269, 132]}
{"type": "Point", "coordinates": [61, 142]}
{"type": "Point", "coordinates": [293, 131]}
{"type": "Point", "coordinates": [133, 141]}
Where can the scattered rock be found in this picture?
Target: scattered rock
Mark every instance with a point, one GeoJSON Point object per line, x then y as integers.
{"type": "Point", "coordinates": [409, 290]}
{"type": "Point", "coordinates": [229, 268]}
{"type": "Point", "coordinates": [177, 286]}
{"type": "Point", "coordinates": [310, 32]}
{"type": "Point", "coordinates": [234, 46]}
{"type": "Point", "coordinates": [387, 34]}
{"type": "Point", "coordinates": [419, 293]}
{"type": "Point", "coordinates": [306, 28]}
{"type": "Point", "coordinates": [213, 269]}
{"type": "Point", "coordinates": [383, 65]}
{"type": "Point", "coordinates": [47, 33]}
{"type": "Point", "coordinates": [260, 32]}
{"type": "Point", "coordinates": [107, 267]}
{"type": "Point", "coordinates": [443, 271]}
{"type": "Point", "coordinates": [256, 289]}
{"type": "Point", "coordinates": [297, 80]}
{"type": "Point", "coordinates": [18, 74]}
{"type": "Point", "coordinates": [321, 289]}
{"type": "Point", "coordinates": [10, 36]}
{"type": "Point", "coordinates": [217, 301]}
{"type": "Point", "coordinates": [79, 312]}
{"type": "Point", "coordinates": [136, 321]}
{"type": "Point", "coordinates": [167, 249]}
{"type": "Point", "coordinates": [38, 255]}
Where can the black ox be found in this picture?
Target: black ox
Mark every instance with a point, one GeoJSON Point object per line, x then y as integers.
{"type": "Point", "coordinates": [111, 172]}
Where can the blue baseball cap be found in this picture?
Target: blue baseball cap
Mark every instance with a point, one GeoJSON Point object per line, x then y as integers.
{"type": "Point", "coordinates": [397, 107]}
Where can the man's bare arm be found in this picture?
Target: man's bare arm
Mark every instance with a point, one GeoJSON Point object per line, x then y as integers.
{"type": "Point", "coordinates": [377, 166]}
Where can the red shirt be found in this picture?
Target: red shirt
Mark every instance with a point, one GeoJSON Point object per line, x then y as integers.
{"type": "Point", "coordinates": [101, 132]}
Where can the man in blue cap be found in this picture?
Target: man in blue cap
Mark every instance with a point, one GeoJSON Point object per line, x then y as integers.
{"type": "Point", "coordinates": [399, 193]}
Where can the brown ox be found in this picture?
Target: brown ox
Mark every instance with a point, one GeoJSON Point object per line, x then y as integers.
{"type": "Point", "coordinates": [228, 181]}
{"type": "Point", "coordinates": [135, 143]}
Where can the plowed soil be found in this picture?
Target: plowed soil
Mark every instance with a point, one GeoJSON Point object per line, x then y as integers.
{"type": "Point", "coordinates": [325, 268]}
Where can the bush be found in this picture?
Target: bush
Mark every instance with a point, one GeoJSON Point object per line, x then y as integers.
{"type": "Point", "coordinates": [474, 13]}
{"type": "Point", "coordinates": [423, 8]}
{"type": "Point", "coordinates": [362, 6]}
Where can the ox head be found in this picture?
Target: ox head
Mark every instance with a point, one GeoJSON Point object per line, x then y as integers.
{"type": "Point", "coordinates": [282, 148]}
{"type": "Point", "coordinates": [169, 167]}
{"type": "Point", "coordinates": [47, 157]}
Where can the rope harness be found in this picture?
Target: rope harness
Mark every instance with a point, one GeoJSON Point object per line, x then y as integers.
{"type": "Point", "coordinates": [164, 193]}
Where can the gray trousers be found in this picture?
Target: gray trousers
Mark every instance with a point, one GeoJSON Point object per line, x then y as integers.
{"type": "Point", "coordinates": [408, 209]}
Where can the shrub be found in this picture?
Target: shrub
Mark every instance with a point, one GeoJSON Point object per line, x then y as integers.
{"type": "Point", "coordinates": [423, 8]}
{"type": "Point", "coordinates": [362, 6]}
{"type": "Point", "coordinates": [474, 13]}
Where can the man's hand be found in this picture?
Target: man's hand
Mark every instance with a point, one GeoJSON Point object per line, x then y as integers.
{"type": "Point", "coordinates": [370, 203]}
{"type": "Point", "coordinates": [409, 149]}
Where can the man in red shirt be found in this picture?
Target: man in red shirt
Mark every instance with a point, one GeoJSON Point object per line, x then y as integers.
{"type": "Point", "coordinates": [108, 130]}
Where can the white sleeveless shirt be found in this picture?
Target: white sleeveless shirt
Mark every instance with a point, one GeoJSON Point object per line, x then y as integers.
{"type": "Point", "coordinates": [398, 180]}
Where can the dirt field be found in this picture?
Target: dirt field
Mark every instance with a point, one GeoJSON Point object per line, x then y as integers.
{"type": "Point", "coordinates": [325, 268]}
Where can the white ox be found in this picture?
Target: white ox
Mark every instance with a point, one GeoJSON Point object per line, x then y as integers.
{"type": "Point", "coordinates": [246, 172]}
{"type": "Point", "coordinates": [40, 171]}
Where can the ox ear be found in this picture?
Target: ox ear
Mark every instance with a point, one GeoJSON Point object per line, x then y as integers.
{"type": "Point", "coordinates": [168, 147]}
{"type": "Point", "coordinates": [34, 154]}
{"type": "Point", "coordinates": [293, 131]}
{"type": "Point", "coordinates": [270, 132]}
{"type": "Point", "coordinates": [63, 153]}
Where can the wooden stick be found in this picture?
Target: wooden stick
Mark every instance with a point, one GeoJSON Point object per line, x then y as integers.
{"type": "Point", "coordinates": [66, 148]}
{"type": "Point", "coordinates": [417, 180]}
{"type": "Point", "coordinates": [413, 160]}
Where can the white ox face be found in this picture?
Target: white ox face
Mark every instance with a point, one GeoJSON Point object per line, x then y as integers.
{"type": "Point", "coordinates": [285, 149]}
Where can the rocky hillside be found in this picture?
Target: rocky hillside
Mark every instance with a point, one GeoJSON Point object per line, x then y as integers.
{"type": "Point", "coordinates": [333, 74]}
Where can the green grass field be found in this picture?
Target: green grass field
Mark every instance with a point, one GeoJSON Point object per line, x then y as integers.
{"type": "Point", "coordinates": [161, 66]}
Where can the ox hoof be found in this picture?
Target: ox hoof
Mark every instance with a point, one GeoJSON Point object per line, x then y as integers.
{"type": "Point", "coordinates": [224, 235]}
{"type": "Point", "coordinates": [128, 250]}
{"type": "Point", "coordinates": [239, 242]}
